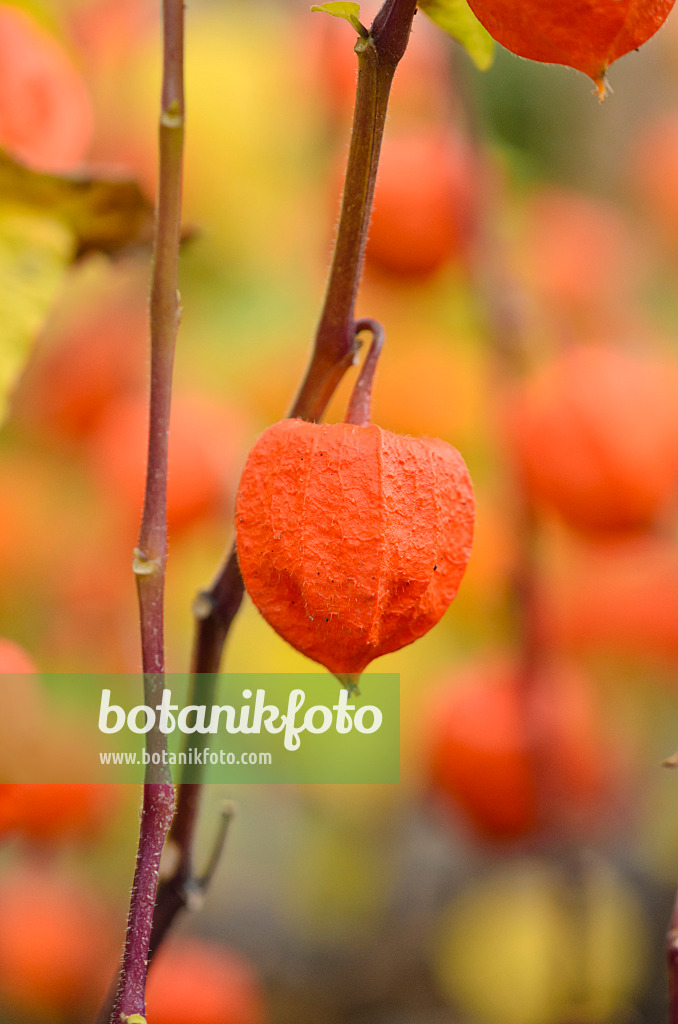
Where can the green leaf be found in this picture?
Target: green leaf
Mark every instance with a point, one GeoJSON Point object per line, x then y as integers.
{"type": "Point", "coordinates": [35, 251]}
{"type": "Point", "coordinates": [457, 19]}
{"type": "Point", "coordinates": [348, 11]}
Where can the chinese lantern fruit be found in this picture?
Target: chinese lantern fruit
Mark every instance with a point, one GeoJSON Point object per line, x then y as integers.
{"type": "Point", "coordinates": [55, 951]}
{"type": "Point", "coordinates": [423, 203]}
{"type": "Point", "coordinates": [199, 469]}
{"type": "Point", "coordinates": [352, 541]}
{"type": "Point", "coordinates": [618, 597]}
{"type": "Point", "coordinates": [581, 257]}
{"type": "Point", "coordinates": [595, 437]}
{"type": "Point", "coordinates": [45, 113]}
{"type": "Point", "coordinates": [584, 34]}
{"type": "Point", "coordinates": [44, 813]}
{"type": "Point", "coordinates": [24, 715]}
{"type": "Point", "coordinates": [655, 171]}
{"type": "Point", "coordinates": [109, 30]}
{"type": "Point", "coordinates": [93, 358]}
{"type": "Point", "coordinates": [13, 658]}
{"type": "Point", "coordinates": [202, 983]}
{"type": "Point", "coordinates": [513, 756]}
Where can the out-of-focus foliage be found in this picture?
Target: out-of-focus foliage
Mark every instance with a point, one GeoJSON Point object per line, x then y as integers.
{"type": "Point", "coordinates": [457, 19]}
{"type": "Point", "coordinates": [34, 253]}
{"type": "Point", "coordinates": [549, 234]}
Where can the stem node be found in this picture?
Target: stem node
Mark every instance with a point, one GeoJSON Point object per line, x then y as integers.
{"type": "Point", "coordinates": [203, 606]}
{"type": "Point", "coordinates": [142, 565]}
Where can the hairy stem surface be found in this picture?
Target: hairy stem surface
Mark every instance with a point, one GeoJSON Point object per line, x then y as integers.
{"type": "Point", "coordinates": [150, 555]}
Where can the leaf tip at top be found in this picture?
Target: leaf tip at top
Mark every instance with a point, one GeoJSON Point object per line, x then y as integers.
{"type": "Point", "coordinates": [457, 19]}
{"type": "Point", "coordinates": [343, 9]}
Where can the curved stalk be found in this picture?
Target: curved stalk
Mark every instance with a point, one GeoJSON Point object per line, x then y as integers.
{"type": "Point", "coordinates": [360, 404]}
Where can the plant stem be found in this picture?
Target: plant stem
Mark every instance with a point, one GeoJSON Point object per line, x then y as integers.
{"type": "Point", "coordinates": [335, 348]}
{"type": "Point", "coordinates": [334, 352]}
{"type": "Point", "coordinates": [500, 297]}
{"type": "Point", "coordinates": [672, 961]}
{"type": "Point", "coordinates": [360, 403]}
{"type": "Point", "coordinates": [150, 555]}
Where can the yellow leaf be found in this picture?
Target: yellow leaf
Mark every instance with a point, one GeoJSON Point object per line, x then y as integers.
{"type": "Point", "coordinates": [348, 11]}
{"type": "Point", "coordinates": [457, 19]}
{"type": "Point", "coordinates": [35, 251]}
{"type": "Point", "coordinates": [103, 215]}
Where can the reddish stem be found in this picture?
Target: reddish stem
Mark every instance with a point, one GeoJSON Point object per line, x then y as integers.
{"type": "Point", "coordinates": [151, 554]}
{"type": "Point", "coordinates": [672, 961]}
{"type": "Point", "coordinates": [360, 404]}
{"type": "Point", "coordinates": [378, 58]}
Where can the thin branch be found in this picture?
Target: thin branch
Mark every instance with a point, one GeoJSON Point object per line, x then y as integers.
{"type": "Point", "coordinates": [227, 815]}
{"type": "Point", "coordinates": [150, 555]}
{"type": "Point", "coordinates": [334, 352]}
{"type": "Point", "coordinates": [501, 299]}
{"type": "Point", "coordinates": [672, 961]}
{"type": "Point", "coordinates": [181, 889]}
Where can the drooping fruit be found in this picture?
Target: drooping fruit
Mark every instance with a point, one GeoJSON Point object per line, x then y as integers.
{"type": "Point", "coordinates": [45, 112]}
{"type": "Point", "coordinates": [655, 175]}
{"type": "Point", "coordinates": [580, 257]}
{"type": "Point", "coordinates": [424, 202]}
{"type": "Point", "coordinates": [88, 358]}
{"type": "Point", "coordinates": [514, 756]}
{"type": "Point", "coordinates": [109, 30]}
{"type": "Point", "coordinates": [198, 473]}
{"type": "Point", "coordinates": [594, 434]}
{"type": "Point", "coordinates": [618, 598]}
{"type": "Point", "coordinates": [45, 813]}
{"type": "Point", "coordinates": [55, 945]}
{"type": "Point", "coordinates": [584, 34]}
{"type": "Point", "coordinates": [352, 541]}
{"type": "Point", "coordinates": [200, 982]}
{"type": "Point", "coordinates": [14, 659]}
